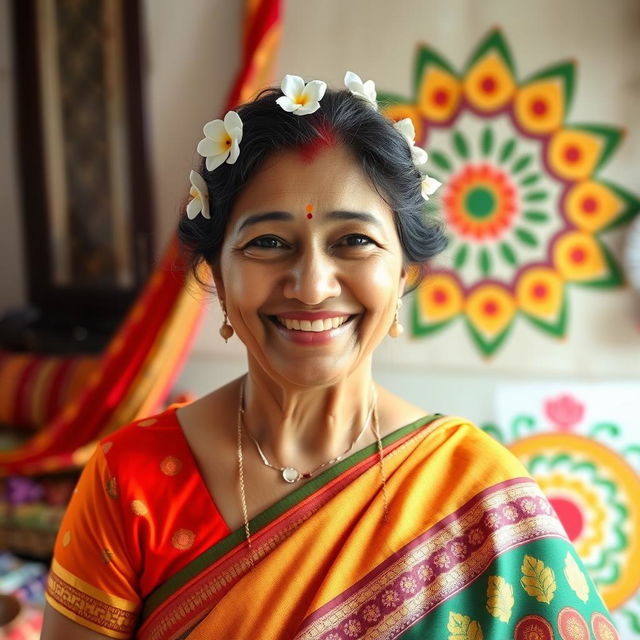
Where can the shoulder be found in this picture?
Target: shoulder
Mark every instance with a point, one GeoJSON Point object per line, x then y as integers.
{"type": "Point", "coordinates": [475, 451]}
{"type": "Point", "coordinates": [139, 443]}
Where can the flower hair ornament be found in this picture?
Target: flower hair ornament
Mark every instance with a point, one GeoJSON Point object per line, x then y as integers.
{"type": "Point", "coordinates": [366, 90]}
{"type": "Point", "coordinates": [300, 98]}
{"type": "Point", "coordinates": [419, 156]}
{"type": "Point", "coordinates": [221, 143]}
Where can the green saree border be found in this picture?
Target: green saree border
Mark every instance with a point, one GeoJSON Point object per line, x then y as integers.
{"type": "Point", "coordinates": [220, 548]}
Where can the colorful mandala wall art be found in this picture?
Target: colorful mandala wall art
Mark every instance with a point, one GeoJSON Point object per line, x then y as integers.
{"type": "Point", "coordinates": [525, 206]}
{"type": "Point", "coordinates": [582, 447]}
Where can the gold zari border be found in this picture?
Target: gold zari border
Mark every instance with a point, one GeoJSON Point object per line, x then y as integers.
{"type": "Point", "coordinates": [83, 603]}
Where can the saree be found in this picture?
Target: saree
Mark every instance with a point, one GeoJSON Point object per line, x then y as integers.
{"type": "Point", "coordinates": [458, 543]}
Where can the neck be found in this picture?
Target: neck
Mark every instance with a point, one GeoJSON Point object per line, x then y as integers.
{"type": "Point", "coordinates": [305, 426]}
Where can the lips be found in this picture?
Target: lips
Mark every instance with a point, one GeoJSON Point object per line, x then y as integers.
{"type": "Point", "coordinates": [315, 326]}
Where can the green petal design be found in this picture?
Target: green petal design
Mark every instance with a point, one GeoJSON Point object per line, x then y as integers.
{"type": "Point", "coordinates": [609, 428]}
{"type": "Point", "coordinates": [391, 100]}
{"type": "Point", "coordinates": [522, 164]}
{"type": "Point", "coordinates": [557, 328]}
{"type": "Point", "coordinates": [611, 137]}
{"type": "Point", "coordinates": [495, 40]}
{"type": "Point", "coordinates": [461, 144]}
{"type": "Point", "coordinates": [532, 178]}
{"type": "Point", "coordinates": [507, 150]}
{"type": "Point", "coordinates": [485, 261]}
{"type": "Point", "coordinates": [535, 196]}
{"type": "Point", "coordinates": [537, 217]}
{"type": "Point", "coordinates": [441, 160]}
{"type": "Point", "coordinates": [630, 210]}
{"type": "Point", "coordinates": [526, 237]}
{"type": "Point", "coordinates": [489, 346]}
{"type": "Point", "coordinates": [487, 141]}
{"type": "Point", "coordinates": [521, 422]}
{"type": "Point", "coordinates": [422, 328]}
{"type": "Point", "coordinates": [424, 59]}
{"type": "Point", "coordinates": [461, 256]}
{"type": "Point", "coordinates": [565, 72]}
{"type": "Point", "coordinates": [612, 279]}
{"type": "Point", "coordinates": [508, 254]}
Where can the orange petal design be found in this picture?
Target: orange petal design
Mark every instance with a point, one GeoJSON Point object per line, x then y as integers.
{"type": "Point", "coordinates": [489, 84]}
{"type": "Point", "coordinates": [171, 466]}
{"type": "Point", "coordinates": [139, 508]}
{"type": "Point", "coordinates": [540, 292]}
{"type": "Point", "coordinates": [439, 95]}
{"type": "Point", "coordinates": [183, 539]}
{"type": "Point", "coordinates": [591, 206]}
{"type": "Point", "coordinates": [573, 155]}
{"type": "Point", "coordinates": [107, 556]}
{"type": "Point", "coordinates": [66, 539]}
{"type": "Point", "coordinates": [490, 308]}
{"type": "Point", "coordinates": [398, 112]}
{"type": "Point", "coordinates": [440, 298]}
{"type": "Point", "coordinates": [577, 257]}
{"type": "Point", "coordinates": [539, 107]}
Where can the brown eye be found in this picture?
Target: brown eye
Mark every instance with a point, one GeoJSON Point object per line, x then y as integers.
{"type": "Point", "coordinates": [266, 242]}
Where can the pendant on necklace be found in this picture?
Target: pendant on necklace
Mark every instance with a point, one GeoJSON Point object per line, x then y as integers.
{"type": "Point", "coordinates": [291, 475]}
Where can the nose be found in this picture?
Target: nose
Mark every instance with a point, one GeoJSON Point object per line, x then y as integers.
{"type": "Point", "coordinates": [313, 278]}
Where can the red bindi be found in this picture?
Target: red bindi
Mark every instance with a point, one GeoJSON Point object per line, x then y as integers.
{"type": "Point", "coordinates": [309, 211]}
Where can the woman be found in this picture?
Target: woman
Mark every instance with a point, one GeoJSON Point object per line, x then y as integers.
{"type": "Point", "coordinates": [302, 500]}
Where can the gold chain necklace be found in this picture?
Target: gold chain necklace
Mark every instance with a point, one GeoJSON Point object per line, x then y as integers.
{"type": "Point", "coordinates": [243, 496]}
{"type": "Point", "coordinates": [291, 474]}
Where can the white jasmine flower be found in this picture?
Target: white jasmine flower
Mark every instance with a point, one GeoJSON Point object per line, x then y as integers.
{"type": "Point", "coordinates": [366, 90]}
{"type": "Point", "coordinates": [300, 98]}
{"type": "Point", "coordinates": [429, 186]}
{"type": "Point", "coordinates": [222, 140]}
{"type": "Point", "coordinates": [199, 202]}
{"type": "Point", "coordinates": [418, 154]}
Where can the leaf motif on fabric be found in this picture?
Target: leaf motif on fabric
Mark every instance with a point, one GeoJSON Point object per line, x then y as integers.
{"type": "Point", "coordinates": [576, 578]}
{"type": "Point", "coordinates": [500, 599]}
{"type": "Point", "coordinates": [463, 628]}
{"type": "Point", "coordinates": [538, 580]}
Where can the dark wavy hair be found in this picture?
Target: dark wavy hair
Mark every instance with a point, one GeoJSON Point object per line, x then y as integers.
{"type": "Point", "coordinates": [383, 153]}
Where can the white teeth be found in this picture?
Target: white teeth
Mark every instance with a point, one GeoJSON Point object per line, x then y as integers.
{"type": "Point", "coordinates": [316, 326]}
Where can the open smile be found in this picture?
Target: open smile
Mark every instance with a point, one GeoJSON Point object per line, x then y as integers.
{"type": "Point", "coordinates": [312, 332]}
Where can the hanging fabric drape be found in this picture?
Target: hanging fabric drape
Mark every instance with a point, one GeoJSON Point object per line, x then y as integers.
{"type": "Point", "coordinates": [145, 355]}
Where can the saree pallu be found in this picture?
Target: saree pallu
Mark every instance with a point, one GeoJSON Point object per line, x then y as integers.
{"type": "Point", "coordinates": [470, 549]}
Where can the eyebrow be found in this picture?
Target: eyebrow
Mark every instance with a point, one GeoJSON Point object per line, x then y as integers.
{"type": "Point", "coordinates": [283, 216]}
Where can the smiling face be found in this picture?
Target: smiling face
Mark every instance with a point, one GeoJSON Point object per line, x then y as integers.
{"type": "Point", "coordinates": [311, 267]}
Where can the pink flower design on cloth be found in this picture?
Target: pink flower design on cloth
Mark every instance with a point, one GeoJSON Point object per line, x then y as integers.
{"type": "Point", "coordinates": [564, 411]}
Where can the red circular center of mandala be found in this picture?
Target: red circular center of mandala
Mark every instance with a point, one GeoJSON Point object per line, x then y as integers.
{"type": "Point", "coordinates": [491, 307]}
{"type": "Point", "coordinates": [489, 84]}
{"type": "Point", "coordinates": [570, 515]}
{"type": "Point", "coordinates": [441, 97]}
{"type": "Point", "coordinates": [440, 296]}
{"type": "Point", "coordinates": [539, 107]}
{"type": "Point", "coordinates": [480, 202]}
{"type": "Point", "coordinates": [539, 290]}
{"type": "Point", "coordinates": [572, 154]}
{"type": "Point", "coordinates": [589, 205]}
{"type": "Point", "coordinates": [578, 255]}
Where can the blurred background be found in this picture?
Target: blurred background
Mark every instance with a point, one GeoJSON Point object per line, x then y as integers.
{"type": "Point", "coordinates": [529, 324]}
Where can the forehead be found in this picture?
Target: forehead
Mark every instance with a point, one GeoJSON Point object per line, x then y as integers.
{"type": "Point", "coordinates": [332, 179]}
